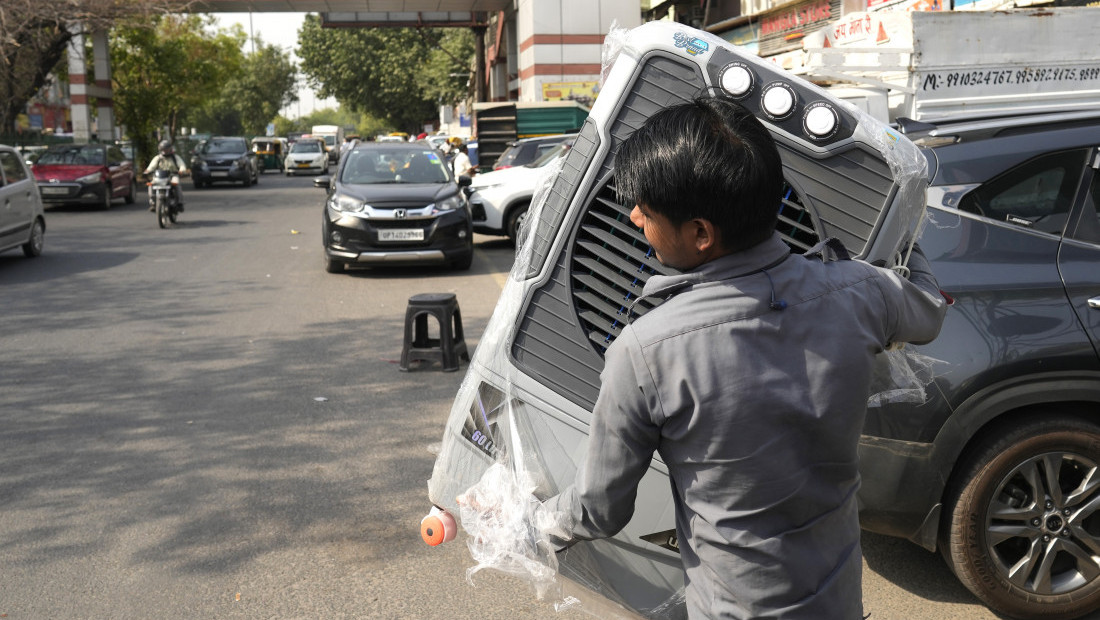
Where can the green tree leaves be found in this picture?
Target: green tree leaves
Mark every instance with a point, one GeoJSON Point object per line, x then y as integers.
{"type": "Point", "coordinates": [399, 75]}
{"type": "Point", "coordinates": [161, 73]}
{"type": "Point", "coordinates": [266, 83]}
{"type": "Point", "coordinates": [183, 72]}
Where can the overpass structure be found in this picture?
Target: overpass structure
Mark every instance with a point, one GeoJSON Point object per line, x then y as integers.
{"type": "Point", "coordinates": [538, 49]}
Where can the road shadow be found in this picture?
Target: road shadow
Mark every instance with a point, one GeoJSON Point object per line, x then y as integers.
{"type": "Point", "coordinates": [218, 448]}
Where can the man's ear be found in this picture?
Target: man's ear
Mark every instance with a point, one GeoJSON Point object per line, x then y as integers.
{"type": "Point", "coordinates": [707, 238]}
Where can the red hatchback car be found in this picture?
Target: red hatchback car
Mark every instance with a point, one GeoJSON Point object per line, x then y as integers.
{"type": "Point", "coordinates": [85, 174]}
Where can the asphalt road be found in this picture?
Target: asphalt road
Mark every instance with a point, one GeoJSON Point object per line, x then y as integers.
{"type": "Point", "coordinates": [201, 423]}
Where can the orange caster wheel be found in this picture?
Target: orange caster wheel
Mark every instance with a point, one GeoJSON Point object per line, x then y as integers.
{"type": "Point", "coordinates": [438, 527]}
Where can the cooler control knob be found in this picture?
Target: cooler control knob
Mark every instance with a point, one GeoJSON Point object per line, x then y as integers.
{"type": "Point", "coordinates": [820, 120]}
{"type": "Point", "coordinates": [737, 80]}
{"type": "Point", "coordinates": [778, 99]}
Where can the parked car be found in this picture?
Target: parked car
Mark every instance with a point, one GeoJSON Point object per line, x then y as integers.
{"type": "Point", "coordinates": [997, 470]}
{"type": "Point", "coordinates": [393, 204]}
{"type": "Point", "coordinates": [499, 199]}
{"type": "Point", "coordinates": [85, 174]}
{"type": "Point", "coordinates": [224, 159]}
{"type": "Point", "coordinates": [307, 156]}
{"type": "Point", "coordinates": [527, 150]}
{"type": "Point", "coordinates": [22, 220]}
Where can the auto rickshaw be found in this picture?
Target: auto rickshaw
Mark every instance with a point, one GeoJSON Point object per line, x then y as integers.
{"type": "Point", "coordinates": [270, 152]}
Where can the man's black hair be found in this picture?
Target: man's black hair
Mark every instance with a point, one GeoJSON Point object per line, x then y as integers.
{"type": "Point", "coordinates": [709, 159]}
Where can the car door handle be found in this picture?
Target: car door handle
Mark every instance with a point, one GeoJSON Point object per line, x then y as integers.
{"type": "Point", "coordinates": [1094, 302]}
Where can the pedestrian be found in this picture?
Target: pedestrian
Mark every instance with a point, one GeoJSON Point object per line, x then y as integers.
{"type": "Point", "coordinates": [750, 379]}
{"type": "Point", "coordinates": [461, 163]}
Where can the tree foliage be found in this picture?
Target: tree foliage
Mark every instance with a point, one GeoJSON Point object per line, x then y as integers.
{"type": "Point", "coordinates": [266, 83]}
{"type": "Point", "coordinates": [161, 73]}
{"type": "Point", "coordinates": [34, 35]}
{"type": "Point", "coordinates": [398, 75]}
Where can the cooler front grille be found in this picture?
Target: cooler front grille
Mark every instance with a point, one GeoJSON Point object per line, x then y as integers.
{"type": "Point", "coordinates": [611, 262]}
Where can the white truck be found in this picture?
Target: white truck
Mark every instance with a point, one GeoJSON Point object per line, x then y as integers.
{"type": "Point", "coordinates": [929, 66]}
{"type": "Point", "coordinates": [333, 135]}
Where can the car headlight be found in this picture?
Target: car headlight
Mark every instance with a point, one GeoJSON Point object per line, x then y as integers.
{"type": "Point", "coordinates": [447, 204]}
{"type": "Point", "coordinates": [481, 188]}
{"type": "Point", "coordinates": [95, 177]}
{"type": "Point", "coordinates": [346, 204]}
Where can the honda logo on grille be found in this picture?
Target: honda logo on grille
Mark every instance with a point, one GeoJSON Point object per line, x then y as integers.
{"type": "Point", "coordinates": [400, 213]}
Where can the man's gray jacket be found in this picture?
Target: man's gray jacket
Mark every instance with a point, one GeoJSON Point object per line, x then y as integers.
{"type": "Point", "coordinates": [757, 413]}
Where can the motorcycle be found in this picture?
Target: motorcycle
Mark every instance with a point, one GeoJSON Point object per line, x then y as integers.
{"type": "Point", "coordinates": [163, 197]}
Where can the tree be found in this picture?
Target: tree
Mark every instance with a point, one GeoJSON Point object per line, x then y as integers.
{"type": "Point", "coordinates": [163, 72]}
{"type": "Point", "coordinates": [266, 83]}
{"type": "Point", "coordinates": [251, 98]}
{"type": "Point", "coordinates": [447, 77]}
{"type": "Point", "coordinates": [398, 75]}
{"type": "Point", "coordinates": [34, 35]}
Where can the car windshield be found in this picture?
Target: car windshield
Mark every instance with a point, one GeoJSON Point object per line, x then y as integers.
{"type": "Point", "coordinates": [213, 147]}
{"type": "Point", "coordinates": [373, 166]}
{"type": "Point", "coordinates": [549, 156]}
{"type": "Point", "coordinates": [82, 155]}
{"type": "Point", "coordinates": [308, 146]}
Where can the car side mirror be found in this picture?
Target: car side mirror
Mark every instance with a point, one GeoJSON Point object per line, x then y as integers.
{"type": "Point", "coordinates": [464, 180]}
{"type": "Point", "coordinates": [322, 181]}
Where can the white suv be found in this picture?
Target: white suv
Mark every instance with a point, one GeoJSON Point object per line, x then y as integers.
{"type": "Point", "coordinates": [499, 199]}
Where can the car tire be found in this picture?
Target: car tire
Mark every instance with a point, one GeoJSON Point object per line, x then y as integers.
{"type": "Point", "coordinates": [130, 197]}
{"type": "Point", "coordinates": [33, 246]}
{"type": "Point", "coordinates": [106, 204]}
{"type": "Point", "coordinates": [333, 266]}
{"type": "Point", "coordinates": [1020, 528]}
{"type": "Point", "coordinates": [516, 219]}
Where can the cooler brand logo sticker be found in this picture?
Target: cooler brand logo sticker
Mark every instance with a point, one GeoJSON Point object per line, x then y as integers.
{"type": "Point", "coordinates": [692, 45]}
{"type": "Point", "coordinates": [480, 428]}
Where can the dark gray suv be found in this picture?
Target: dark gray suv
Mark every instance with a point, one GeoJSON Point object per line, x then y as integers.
{"type": "Point", "coordinates": [999, 469]}
{"type": "Point", "coordinates": [224, 159]}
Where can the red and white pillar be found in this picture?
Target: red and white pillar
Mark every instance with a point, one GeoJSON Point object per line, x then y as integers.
{"type": "Point", "coordinates": [81, 91]}
{"type": "Point", "coordinates": [561, 41]}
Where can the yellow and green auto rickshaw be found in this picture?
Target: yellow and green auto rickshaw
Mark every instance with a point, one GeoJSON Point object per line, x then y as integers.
{"type": "Point", "coordinates": [270, 152]}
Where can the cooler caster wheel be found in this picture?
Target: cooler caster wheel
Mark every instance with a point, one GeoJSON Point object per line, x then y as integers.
{"type": "Point", "coordinates": [438, 527]}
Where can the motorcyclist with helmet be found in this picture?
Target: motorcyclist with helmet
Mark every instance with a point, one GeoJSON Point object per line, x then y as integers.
{"type": "Point", "coordinates": [167, 159]}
